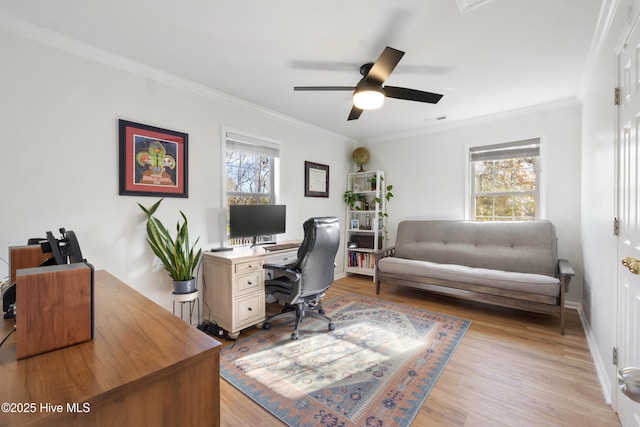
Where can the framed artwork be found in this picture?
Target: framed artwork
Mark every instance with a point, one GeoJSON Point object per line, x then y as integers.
{"type": "Point", "coordinates": [316, 180]}
{"type": "Point", "coordinates": [355, 224]}
{"type": "Point", "coordinates": [153, 161]}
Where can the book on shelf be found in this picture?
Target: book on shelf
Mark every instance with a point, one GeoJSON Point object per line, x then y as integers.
{"type": "Point", "coordinates": [362, 260]}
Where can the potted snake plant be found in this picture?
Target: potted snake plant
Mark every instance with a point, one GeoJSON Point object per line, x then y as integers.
{"type": "Point", "coordinates": [177, 255]}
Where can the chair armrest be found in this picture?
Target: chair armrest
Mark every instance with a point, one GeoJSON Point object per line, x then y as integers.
{"type": "Point", "coordinates": [566, 273]}
{"type": "Point", "coordinates": [274, 267]}
{"type": "Point", "coordinates": [284, 270]}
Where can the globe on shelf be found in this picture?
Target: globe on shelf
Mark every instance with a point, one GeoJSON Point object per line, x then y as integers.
{"type": "Point", "coordinates": [360, 156]}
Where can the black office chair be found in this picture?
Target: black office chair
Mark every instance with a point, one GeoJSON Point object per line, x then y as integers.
{"type": "Point", "coordinates": [301, 286]}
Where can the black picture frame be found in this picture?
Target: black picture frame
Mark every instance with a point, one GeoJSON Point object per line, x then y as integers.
{"type": "Point", "coordinates": [316, 179]}
{"type": "Point", "coordinates": [153, 161]}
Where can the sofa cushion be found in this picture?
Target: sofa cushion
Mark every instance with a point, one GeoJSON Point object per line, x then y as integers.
{"type": "Point", "coordinates": [518, 246]}
{"type": "Point", "coordinates": [524, 282]}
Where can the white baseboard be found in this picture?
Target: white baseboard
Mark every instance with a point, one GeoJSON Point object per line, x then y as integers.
{"type": "Point", "coordinates": [601, 366]}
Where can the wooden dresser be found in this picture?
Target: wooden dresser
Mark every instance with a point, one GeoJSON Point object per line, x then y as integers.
{"type": "Point", "coordinates": [144, 367]}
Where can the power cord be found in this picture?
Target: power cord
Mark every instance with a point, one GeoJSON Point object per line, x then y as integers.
{"type": "Point", "coordinates": [206, 310]}
{"type": "Point", "coordinates": [8, 335]}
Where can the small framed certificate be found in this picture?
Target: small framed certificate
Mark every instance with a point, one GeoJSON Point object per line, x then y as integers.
{"type": "Point", "coordinates": [316, 180]}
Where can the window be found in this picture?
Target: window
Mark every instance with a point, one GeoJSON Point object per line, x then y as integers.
{"type": "Point", "coordinates": [251, 167]}
{"type": "Point", "coordinates": [504, 181]}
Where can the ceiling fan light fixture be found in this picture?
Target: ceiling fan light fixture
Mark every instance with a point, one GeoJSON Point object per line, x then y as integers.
{"type": "Point", "coordinates": [368, 96]}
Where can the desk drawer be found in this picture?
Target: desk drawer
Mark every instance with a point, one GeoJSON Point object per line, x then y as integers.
{"type": "Point", "coordinates": [250, 310]}
{"type": "Point", "coordinates": [245, 267]}
{"type": "Point", "coordinates": [282, 258]}
{"type": "Point", "coordinates": [249, 282]}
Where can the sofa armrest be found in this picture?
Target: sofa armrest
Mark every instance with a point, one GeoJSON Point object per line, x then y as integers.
{"type": "Point", "coordinates": [566, 273]}
{"type": "Point", "coordinates": [565, 268]}
{"type": "Point", "coordinates": [383, 253]}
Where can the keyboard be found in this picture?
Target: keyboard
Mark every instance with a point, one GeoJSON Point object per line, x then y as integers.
{"type": "Point", "coordinates": [281, 246]}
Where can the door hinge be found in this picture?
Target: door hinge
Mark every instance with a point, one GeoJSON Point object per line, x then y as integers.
{"type": "Point", "coordinates": [616, 227]}
{"type": "Point", "coordinates": [615, 356]}
{"type": "Point", "coordinates": [616, 96]}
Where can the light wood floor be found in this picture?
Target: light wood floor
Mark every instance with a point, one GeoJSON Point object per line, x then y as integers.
{"type": "Point", "coordinates": [512, 368]}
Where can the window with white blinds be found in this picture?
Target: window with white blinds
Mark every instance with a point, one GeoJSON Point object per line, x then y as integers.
{"type": "Point", "coordinates": [251, 168]}
{"type": "Point", "coordinates": [504, 181]}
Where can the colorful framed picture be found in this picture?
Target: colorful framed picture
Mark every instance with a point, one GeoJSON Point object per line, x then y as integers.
{"type": "Point", "coordinates": [153, 161]}
{"type": "Point", "coordinates": [316, 180]}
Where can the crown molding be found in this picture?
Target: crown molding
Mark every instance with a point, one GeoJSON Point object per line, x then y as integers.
{"type": "Point", "coordinates": [41, 35]}
{"type": "Point", "coordinates": [451, 124]}
{"type": "Point", "coordinates": [601, 32]}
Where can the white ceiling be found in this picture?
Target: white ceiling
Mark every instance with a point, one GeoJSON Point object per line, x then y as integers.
{"type": "Point", "coordinates": [492, 57]}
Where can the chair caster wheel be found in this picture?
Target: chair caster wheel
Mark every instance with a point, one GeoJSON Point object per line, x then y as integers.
{"type": "Point", "coordinates": [294, 336]}
{"type": "Point", "coordinates": [266, 326]}
{"type": "Point", "coordinates": [332, 327]}
{"type": "Point", "coordinates": [321, 311]}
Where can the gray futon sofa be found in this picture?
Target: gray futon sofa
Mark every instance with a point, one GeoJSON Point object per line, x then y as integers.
{"type": "Point", "coordinates": [510, 263]}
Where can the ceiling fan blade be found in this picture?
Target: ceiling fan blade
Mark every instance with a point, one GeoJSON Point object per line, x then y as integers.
{"type": "Point", "coordinates": [411, 94]}
{"type": "Point", "coordinates": [385, 64]}
{"type": "Point", "coordinates": [350, 66]}
{"type": "Point", "coordinates": [322, 88]}
{"type": "Point", "coordinates": [355, 113]}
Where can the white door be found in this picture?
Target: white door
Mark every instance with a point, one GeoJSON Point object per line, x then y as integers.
{"type": "Point", "coordinates": [628, 323]}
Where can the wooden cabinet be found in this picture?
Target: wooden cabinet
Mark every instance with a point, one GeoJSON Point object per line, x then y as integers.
{"type": "Point", "coordinates": [365, 219]}
{"type": "Point", "coordinates": [235, 290]}
{"type": "Point", "coordinates": [234, 283]}
{"type": "Point", "coordinates": [54, 307]}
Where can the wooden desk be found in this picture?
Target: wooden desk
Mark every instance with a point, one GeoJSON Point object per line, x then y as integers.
{"type": "Point", "coordinates": [144, 367]}
{"type": "Point", "coordinates": [235, 285]}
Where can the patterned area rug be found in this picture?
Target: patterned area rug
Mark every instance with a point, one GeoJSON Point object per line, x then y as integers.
{"type": "Point", "coordinates": [375, 369]}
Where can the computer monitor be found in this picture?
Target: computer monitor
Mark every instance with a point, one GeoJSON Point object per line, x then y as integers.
{"type": "Point", "coordinates": [256, 220]}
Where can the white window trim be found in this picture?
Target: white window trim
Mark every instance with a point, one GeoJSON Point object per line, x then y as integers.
{"type": "Point", "coordinates": [224, 131]}
{"type": "Point", "coordinates": [541, 178]}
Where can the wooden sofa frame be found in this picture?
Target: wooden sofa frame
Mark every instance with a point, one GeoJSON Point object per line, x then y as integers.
{"type": "Point", "coordinates": [500, 297]}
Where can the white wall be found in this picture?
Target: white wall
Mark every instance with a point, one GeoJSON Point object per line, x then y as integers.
{"type": "Point", "coordinates": [598, 201]}
{"type": "Point", "coordinates": [428, 171]}
{"type": "Point", "coordinates": [60, 116]}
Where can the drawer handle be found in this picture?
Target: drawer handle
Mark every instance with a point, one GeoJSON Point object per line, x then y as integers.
{"type": "Point", "coordinates": [249, 282]}
{"type": "Point", "coordinates": [250, 309]}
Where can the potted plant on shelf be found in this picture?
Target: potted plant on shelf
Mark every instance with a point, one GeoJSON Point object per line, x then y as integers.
{"type": "Point", "coordinates": [355, 201]}
{"type": "Point", "coordinates": [178, 256]}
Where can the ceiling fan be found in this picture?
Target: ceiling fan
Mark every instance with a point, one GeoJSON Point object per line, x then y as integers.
{"type": "Point", "coordinates": [369, 93]}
